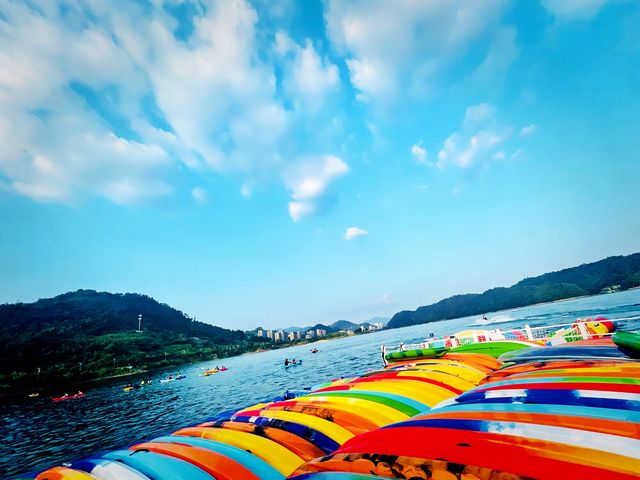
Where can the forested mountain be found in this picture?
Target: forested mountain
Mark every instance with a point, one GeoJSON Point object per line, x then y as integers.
{"type": "Point", "coordinates": [613, 273]}
{"type": "Point", "coordinates": [87, 334]}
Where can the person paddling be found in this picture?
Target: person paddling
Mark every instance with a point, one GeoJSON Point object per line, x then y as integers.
{"type": "Point", "coordinates": [286, 362]}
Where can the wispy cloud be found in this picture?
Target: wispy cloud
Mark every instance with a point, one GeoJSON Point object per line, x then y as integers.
{"type": "Point", "coordinates": [479, 114]}
{"type": "Point", "coordinates": [480, 136]}
{"type": "Point", "coordinates": [574, 9]}
{"type": "Point", "coordinates": [354, 232]}
{"type": "Point", "coordinates": [246, 190]}
{"type": "Point", "coordinates": [419, 152]}
{"type": "Point", "coordinates": [395, 52]}
{"type": "Point", "coordinates": [200, 195]}
{"type": "Point", "coordinates": [528, 130]}
{"type": "Point", "coordinates": [308, 78]}
{"type": "Point", "coordinates": [501, 54]}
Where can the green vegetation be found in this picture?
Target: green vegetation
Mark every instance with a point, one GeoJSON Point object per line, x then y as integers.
{"type": "Point", "coordinates": [86, 335]}
{"type": "Point", "coordinates": [608, 275]}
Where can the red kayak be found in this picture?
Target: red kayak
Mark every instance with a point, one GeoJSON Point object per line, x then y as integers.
{"type": "Point", "coordinates": [68, 397]}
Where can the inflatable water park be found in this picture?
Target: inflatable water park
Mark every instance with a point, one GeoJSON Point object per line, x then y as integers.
{"type": "Point", "coordinates": [543, 403]}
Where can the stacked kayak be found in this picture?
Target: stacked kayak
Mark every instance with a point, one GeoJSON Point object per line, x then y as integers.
{"type": "Point", "coordinates": [272, 440]}
{"type": "Point", "coordinates": [496, 342]}
{"type": "Point", "coordinates": [564, 418]}
{"type": "Point", "coordinates": [460, 416]}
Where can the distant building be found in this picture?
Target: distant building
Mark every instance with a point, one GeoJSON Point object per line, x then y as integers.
{"type": "Point", "coordinates": [310, 334]}
{"type": "Point", "coordinates": [321, 332]}
{"type": "Point", "coordinates": [298, 335]}
{"type": "Point", "coordinates": [260, 332]}
{"type": "Point", "coordinates": [269, 334]}
{"type": "Point", "coordinates": [291, 336]}
{"type": "Point", "coordinates": [278, 336]}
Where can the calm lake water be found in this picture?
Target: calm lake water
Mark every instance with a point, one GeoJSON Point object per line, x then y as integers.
{"type": "Point", "coordinates": [39, 433]}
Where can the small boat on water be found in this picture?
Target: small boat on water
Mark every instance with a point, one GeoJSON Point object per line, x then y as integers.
{"type": "Point", "coordinates": [68, 397]}
{"type": "Point", "coordinates": [171, 378]}
{"type": "Point", "coordinates": [34, 395]}
{"type": "Point", "coordinates": [294, 363]}
{"type": "Point", "coordinates": [211, 371]}
{"type": "Point", "coordinates": [136, 386]}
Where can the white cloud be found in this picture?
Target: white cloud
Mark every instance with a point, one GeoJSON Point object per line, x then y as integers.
{"type": "Point", "coordinates": [419, 152]}
{"type": "Point", "coordinates": [200, 195]}
{"type": "Point", "coordinates": [397, 50]}
{"type": "Point", "coordinates": [528, 130]}
{"type": "Point", "coordinates": [574, 9]}
{"type": "Point", "coordinates": [500, 155]}
{"type": "Point", "coordinates": [53, 146]}
{"type": "Point", "coordinates": [216, 99]}
{"type": "Point", "coordinates": [309, 181]}
{"type": "Point", "coordinates": [283, 44]}
{"type": "Point", "coordinates": [311, 178]}
{"type": "Point", "coordinates": [353, 232]}
{"type": "Point", "coordinates": [480, 137]}
{"type": "Point", "coordinates": [297, 210]}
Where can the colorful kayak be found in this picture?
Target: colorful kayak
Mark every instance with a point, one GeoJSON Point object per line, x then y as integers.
{"type": "Point", "coordinates": [416, 353]}
{"type": "Point", "coordinates": [497, 348]}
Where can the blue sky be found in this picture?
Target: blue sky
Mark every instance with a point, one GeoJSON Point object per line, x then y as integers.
{"type": "Point", "coordinates": [283, 163]}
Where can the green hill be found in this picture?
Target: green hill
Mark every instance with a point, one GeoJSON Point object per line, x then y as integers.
{"type": "Point", "coordinates": [610, 274]}
{"type": "Point", "coordinates": [85, 335]}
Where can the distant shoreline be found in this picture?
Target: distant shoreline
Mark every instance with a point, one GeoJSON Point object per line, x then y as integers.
{"type": "Point", "coordinates": [515, 308]}
{"type": "Point", "coordinates": [560, 300]}
{"type": "Point", "coordinates": [53, 388]}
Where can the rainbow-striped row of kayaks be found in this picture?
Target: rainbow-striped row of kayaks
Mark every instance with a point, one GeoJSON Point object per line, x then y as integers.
{"type": "Point", "coordinates": [463, 416]}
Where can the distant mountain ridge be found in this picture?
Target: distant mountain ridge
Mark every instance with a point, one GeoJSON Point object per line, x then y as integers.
{"type": "Point", "coordinates": [338, 325]}
{"type": "Point", "coordinates": [87, 334]}
{"type": "Point", "coordinates": [609, 274]}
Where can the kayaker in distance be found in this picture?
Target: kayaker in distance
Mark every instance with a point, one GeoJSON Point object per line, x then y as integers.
{"type": "Point", "coordinates": [286, 362]}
